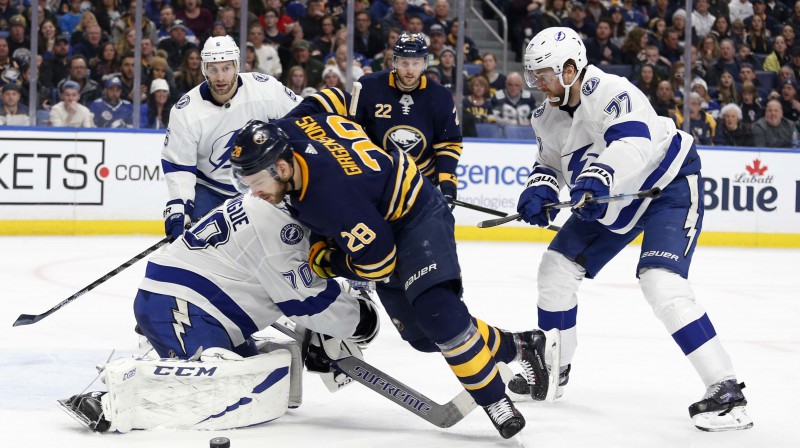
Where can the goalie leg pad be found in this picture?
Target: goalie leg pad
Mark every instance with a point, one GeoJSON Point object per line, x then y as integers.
{"type": "Point", "coordinates": [268, 345]}
{"type": "Point", "coordinates": [220, 391]}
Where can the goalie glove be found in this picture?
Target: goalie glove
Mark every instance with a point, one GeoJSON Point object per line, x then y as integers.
{"type": "Point", "coordinates": [177, 217]}
{"type": "Point", "coordinates": [593, 182]}
{"type": "Point", "coordinates": [448, 184]}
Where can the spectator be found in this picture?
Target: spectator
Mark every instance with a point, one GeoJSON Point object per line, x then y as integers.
{"type": "Point", "coordinates": [441, 12]}
{"type": "Point", "coordinates": [497, 80]}
{"type": "Point", "coordinates": [366, 40]}
{"type": "Point", "coordinates": [13, 113]}
{"type": "Point", "coordinates": [512, 105]}
{"type": "Point", "coordinates": [384, 62]}
{"type": "Point", "coordinates": [285, 48]}
{"type": "Point", "coordinates": [633, 47]}
{"type": "Point", "coordinates": [268, 61]}
{"type": "Point", "coordinates": [127, 44]}
{"type": "Point", "coordinates": [701, 125]}
{"type": "Point", "coordinates": [331, 77]}
{"type": "Point", "coordinates": [726, 89]}
{"type": "Point", "coordinates": [90, 46]}
{"type": "Point", "coordinates": [190, 73]}
{"type": "Point", "coordinates": [779, 56]}
{"type": "Point", "coordinates": [770, 25]}
{"type": "Point", "coordinates": [325, 42]}
{"type": "Point", "coordinates": [632, 16]}
{"type": "Point", "coordinates": [553, 13]}
{"type": "Point", "coordinates": [700, 87]}
{"type": "Point", "coordinates": [110, 111]}
{"type": "Point", "coordinates": [758, 37]}
{"type": "Point", "coordinates": [740, 9]}
{"type": "Point", "coordinates": [312, 21]}
{"type": "Point", "coordinates": [785, 72]}
{"type": "Point", "coordinates": [478, 105]}
{"type": "Point", "coordinates": [794, 19]}
{"type": "Point", "coordinates": [340, 57]}
{"type": "Point", "coordinates": [155, 113]}
{"type": "Point", "coordinates": [777, 10]}
{"type": "Point", "coordinates": [595, 10]}
{"type": "Point", "coordinates": [128, 21]}
{"type": "Point", "coordinates": [197, 18]}
{"type": "Point", "coordinates": [69, 112]}
{"type": "Point", "coordinates": [108, 14]}
{"type": "Point", "coordinates": [599, 49]}
{"type": "Point", "coordinates": [79, 33]}
{"type": "Point", "coordinates": [167, 19]}
{"type": "Point", "coordinates": [47, 38]}
{"type": "Point", "coordinates": [53, 70]}
{"type": "Point", "coordinates": [732, 131]}
{"type": "Point", "coordinates": [106, 64]}
{"type": "Point", "coordinates": [794, 58]}
{"type": "Point", "coordinates": [227, 16]}
{"type": "Point", "coordinates": [789, 101]}
{"type": "Point", "coordinates": [89, 89]}
{"type": "Point", "coordinates": [746, 73]}
{"type": "Point", "coordinates": [773, 130]}
{"type": "Point", "coordinates": [438, 40]}
{"type": "Point", "coordinates": [702, 20]}
{"type": "Point", "coordinates": [236, 6]}
{"type": "Point", "coordinates": [727, 62]}
{"type": "Point", "coordinates": [788, 34]}
{"type": "Point", "coordinates": [752, 110]}
{"type": "Point", "coordinates": [415, 25]}
{"type": "Point", "coordinates": [301, 55]}
{"type": "Point", "coordinates": [397, 16]}
{"type": "Point", "coordinates": [737, 32]}
{"type": "Point", "coordinates": [661, 9]}
{"type": "Point", "coordinates": [269, 22]}
{"type": "Point", "coordinates": [746, 55]}
{"type": "Point", "coordinates": [471, 53]}
{"type": "Point", "coordinates": [647, 81]}
{"type": "Point", "coordinates": [17, 37]}
{"type": "Point", "coordinates": [664, 101]}
{"type": "Point", "coordinates": [661, 64]}
{"type": "Point", "coordinates": [285, 22]}
{"type": "Point", "coordinates": [579, 22]}
{"type": "Point", "coordinates": [70, 20]}
{"type": "Point", "coordinates": [709, 51]}
{"type": "Point", "coordinates": [447, 69]}
{"type": "Point", "coordinates": [721, 28]}
{"type": "Point", "coordinates": [177, 44]}
{"type": "Point", "coordinates": [159, 69]}
{"type": "Point", "coordinates": [296, 80]}
{"type": "Point", "coordinates": [127, 68]}
{"type": "Point", "coordinates": [618, 26]}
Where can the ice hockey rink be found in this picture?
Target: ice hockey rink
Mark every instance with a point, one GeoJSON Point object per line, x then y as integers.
{"type": "Point", "coordinates": [630, 384]}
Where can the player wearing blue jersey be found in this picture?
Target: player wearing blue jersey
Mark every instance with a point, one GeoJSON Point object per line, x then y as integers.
{"type": "Point", "coordinates": [599, 135]}
{"type": "Point", "coordinates": [402, 109]}
{"type": "Point", "coordinates": [377, 218]}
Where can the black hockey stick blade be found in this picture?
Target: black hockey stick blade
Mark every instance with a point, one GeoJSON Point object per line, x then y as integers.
{"type": "Point", "coordinates": [27, 319]}
{"type": "Point", "coordinates": [479, 208]}
{"type": "Point", "coordinates": [441, 415]}
{"type": "Point", "coordinates": [651, 193]}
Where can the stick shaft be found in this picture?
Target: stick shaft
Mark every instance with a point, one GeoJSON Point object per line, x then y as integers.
{"type": "Point", "coordinates": [479, 208]}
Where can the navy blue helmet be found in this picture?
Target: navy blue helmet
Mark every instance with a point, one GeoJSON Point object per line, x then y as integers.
{"type": "Point", "coordinates": [258, 147]}
{"type": "Point", "coordinates": [410, 46]}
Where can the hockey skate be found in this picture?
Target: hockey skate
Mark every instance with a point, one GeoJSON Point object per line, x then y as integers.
{"type": "Point", "coordinates": [722, 408]}
{"type": "Point", "coordinates": [537, 350]}
{"type": "Point", "coordinates": [505, 417]}
{"type": "Point", "coordinates": [519, 385]}
{"type": "Point", "coordinates": [87, 409]}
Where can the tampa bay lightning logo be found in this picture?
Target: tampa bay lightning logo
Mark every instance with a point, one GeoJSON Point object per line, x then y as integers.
{"type": "Point", "coordinates": [406, 139]}
{"type": "Point", "coordinates": [291, 234]}
{"type": "Point", "coordinates": [221, 150]}
{"type": "Point", "coordinates": [589, 86]}
{"type": "Point", "coordinates": [183, 102]}
{"type": "Point", "coordinates": [260, 77]}
{"type": "Point", "coordinates": [560, 36]}
{"type": "Point", "coordinates": [289, 93]}
{"type": "Point", "coordinates": [539, 111]}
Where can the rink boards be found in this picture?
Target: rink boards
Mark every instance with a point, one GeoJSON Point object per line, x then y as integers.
{"type": "Point", "coordinates": [71, 182]}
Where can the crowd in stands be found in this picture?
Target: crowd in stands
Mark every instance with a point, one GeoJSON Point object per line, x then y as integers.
{"type": "Point", "coordinates": [745, 56]}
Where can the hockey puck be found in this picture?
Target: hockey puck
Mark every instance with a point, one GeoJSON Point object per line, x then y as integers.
{"type": "Point", "coordinates": [220, 442]}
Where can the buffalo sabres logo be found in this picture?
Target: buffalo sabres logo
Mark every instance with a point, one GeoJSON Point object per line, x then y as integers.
{"type": "Point", "coordinates": [291, 234]}
{"type": "Point", "coordinates": [260, 77]}
{"type": "Point", "coordinates": [183, 102]}
{"type": "Point", "coordinates": [259, 137]}
{"type": "Point", "coordinates": [406, 139]}
{"type": "Point", "coordinates": [590, 85]}
{"type": "Point", "coordinates": [560, 36]}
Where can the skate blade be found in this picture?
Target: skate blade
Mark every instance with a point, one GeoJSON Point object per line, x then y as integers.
{"type": "Point", "coordinates": [80, 418]}
{"type": "Point", "coordinates": [735, 420]}
{"type": "Point", "coordinates": [552, 354]}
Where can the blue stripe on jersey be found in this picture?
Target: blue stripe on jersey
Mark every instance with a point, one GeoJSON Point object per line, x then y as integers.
{"type": "Point", "coordinates": [206, 288]}
{"type": "Point", "coordinates": [537, 168]}
{"type": "Point", "coordinates": [563, 320]}
{"type": "Point", "coordinates": [694, 334]}
{"type": "Point", "coordinates": [216, 183]}
{"type": "Point", "coordinates": [626, 214]}
{"type": "Point", "coordinates": [626, 129]}
{"type": "Point", "coordinates": [270, 381]}
{"type": "Point", "coordinates": [312, 305]}
{"type": "Point", "coordinates": [169, 167]}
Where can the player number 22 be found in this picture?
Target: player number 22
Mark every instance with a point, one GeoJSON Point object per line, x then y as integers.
{"type": "Point", "coordinates": [360, 236]}
{"type": "Point", "coordinates": [383, 111]}
{"type": "Point", "coordinates": [620, 103]}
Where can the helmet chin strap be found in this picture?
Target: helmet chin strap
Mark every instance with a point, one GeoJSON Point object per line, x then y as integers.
{"type": "Point", "coordinates": [567, 88]}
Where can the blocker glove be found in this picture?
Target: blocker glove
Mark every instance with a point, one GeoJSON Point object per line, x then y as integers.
{"type": "Point", "coordinates": [177, 217]}
{"type": "Point", "coordinates": [593, 182]}
{"type": "Point", "coordinates": [448, 184]}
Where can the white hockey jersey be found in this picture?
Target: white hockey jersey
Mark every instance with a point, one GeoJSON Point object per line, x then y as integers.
{"type": "Point", "coordinates": [614, 127]}
{"type": "Point", "coordinates": [246, 264]}
{"type": "Point", "coordinates": [201, 132]}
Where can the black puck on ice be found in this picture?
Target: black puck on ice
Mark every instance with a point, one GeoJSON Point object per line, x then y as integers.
{"type": "Point", "coordinates": [220, 442]}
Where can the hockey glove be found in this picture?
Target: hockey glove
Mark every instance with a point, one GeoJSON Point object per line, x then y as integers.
{"type": "Point", "coordinates": [593, 182]}
{"type": "Point", "coordinates": [542, 189]}
{"type": "Point", "coordinates": [177, 217]}
{"type": "Point", "coordinates": [319, 257]}
{"type": "Point", "coordinates": [448, 184]}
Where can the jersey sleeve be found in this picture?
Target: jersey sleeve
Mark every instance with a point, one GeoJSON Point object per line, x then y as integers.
{"type": "Point", "coordinates": [331, 100]}
{"type": "Point", "coordinates": [447, 138]}
{"type": "Point", "coordinates": [179, 157]}
{"type": "Point", "coordinates": [283, 100]}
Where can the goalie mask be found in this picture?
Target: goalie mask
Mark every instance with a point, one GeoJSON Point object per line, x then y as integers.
{"type": "Point", "coordinates": [258, 147]}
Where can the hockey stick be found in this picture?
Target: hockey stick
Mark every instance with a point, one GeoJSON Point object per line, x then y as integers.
{"type": "Point", "coordinates": [27, 319]}
{"type": "Point", "coordinates": [441, 415]}
{"type": "Point", "coordinates": [651, 193]}
{"type": "Point", "coordinates": [479, 208]}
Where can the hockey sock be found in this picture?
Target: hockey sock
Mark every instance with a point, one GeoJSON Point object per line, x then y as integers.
{"type": "Point", "coordinates": [501, 348]}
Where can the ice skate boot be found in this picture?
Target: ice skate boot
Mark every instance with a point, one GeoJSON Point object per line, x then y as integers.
{"type": "Point", "coordinates": [535, 351]}
{"type": "Point", "coordinates": [519, 385]}
{"type": "Point", "coordinates": [722, 408]}
{"type": "Point", "coordinates": [505, 417]}
{"type": "Point", "coordinates": [87, 409]}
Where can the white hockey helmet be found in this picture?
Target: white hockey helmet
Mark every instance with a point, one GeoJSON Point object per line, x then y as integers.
{"type": "Point", "coordinates": [552, 48]}
{"type": "Point", "coordinates": [218, 49]}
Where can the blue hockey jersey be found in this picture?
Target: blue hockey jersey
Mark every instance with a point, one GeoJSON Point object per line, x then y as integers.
{"type": "Point", "coordinates": [353, 192]}
{"type": "Point", "coordinates": [108, 116]}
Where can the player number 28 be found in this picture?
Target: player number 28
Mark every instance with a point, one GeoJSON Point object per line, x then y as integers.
{"type": "Point", "coordinates": [360, 236]}
{"type": "Point", "coordinates": [383, 111]}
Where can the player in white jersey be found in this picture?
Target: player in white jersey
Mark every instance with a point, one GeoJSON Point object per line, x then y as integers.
{"type": "Point", "coordinates": [599, 135]}
{"type": "Point", "coordinates": [232, 274]}
{"type": "Point", "coordinates": [202, 128]}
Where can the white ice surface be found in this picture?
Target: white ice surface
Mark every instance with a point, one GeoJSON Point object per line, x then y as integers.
{"type": "Point", "coordinates": [630, 384]}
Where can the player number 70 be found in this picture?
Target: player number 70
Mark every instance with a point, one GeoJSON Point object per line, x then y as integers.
{"type": "Point", "coordinates": [618, 104]}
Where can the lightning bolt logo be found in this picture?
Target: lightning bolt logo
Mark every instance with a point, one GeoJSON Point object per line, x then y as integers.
{"type": "Point", "coordinates": [692, 215]}
{"type": "Point", "coordinates": [181, 316]}
{"type": "Point", "coordinates": [218, 160]}
{"type": "Point", "coordinates": [577, 161]}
